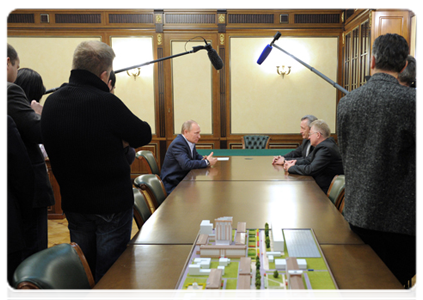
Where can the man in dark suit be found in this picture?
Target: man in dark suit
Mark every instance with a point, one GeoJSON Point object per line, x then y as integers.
{"type": "Point", "coordinates": [20, 192]}
{"type": "Point", "coordinates": [181, 156]}
{"type": "Point", "coordinates": [28, 124]}
{"type": "Point", "coordinates": [304, 149]}
{"type": "Point", "coordinates": [324, 162]}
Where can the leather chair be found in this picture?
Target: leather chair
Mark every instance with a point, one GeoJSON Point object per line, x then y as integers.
{"type": "Point", "coordinates": [336, 190]}
{"type": "Point", "coordinates": [255, 142]}
{"type": "Point", "coordinates": [151, 163]}
{"type": "Point", "coordinates": [141, 210]}
{"type": "Point", "coordinates": [60, 267]}
{"type": "Point", "coordinates": [154, 188]}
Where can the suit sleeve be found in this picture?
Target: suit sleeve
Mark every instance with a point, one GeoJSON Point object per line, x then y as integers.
{"type": "Point", "coordinates": [26, 120]}
{"type": "Point", "coordinates": [184, 160]}
{"type": "Point", "coordinates": [295, 153]}
{"type": "Point", "coordinates": [321, 159]}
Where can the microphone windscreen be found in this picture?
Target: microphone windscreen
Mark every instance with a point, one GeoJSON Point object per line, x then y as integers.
{"type": "Point", "coordinates": [215, 59]}
{"type": "Point", "coordinates": [264, 54]}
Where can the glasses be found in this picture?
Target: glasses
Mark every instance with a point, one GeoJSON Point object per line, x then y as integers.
{"type": "Point", "coordinates": [311, 133]}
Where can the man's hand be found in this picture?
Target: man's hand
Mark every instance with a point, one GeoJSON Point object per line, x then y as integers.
{"type": "Point", "coordinates": [278, 160]}
{"type": "Point", "coordinates": [288, 164]}
{"type": "Point", "coordinates": [37, 107]}
{"type": "Point", "coordinates": [212, 160]}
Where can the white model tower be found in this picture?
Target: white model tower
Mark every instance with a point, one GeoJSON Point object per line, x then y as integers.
{"type": "Point", "coordinates": [223, 230]}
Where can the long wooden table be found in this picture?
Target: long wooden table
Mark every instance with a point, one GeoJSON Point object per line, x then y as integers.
{"type": "Point", "coordinates": [292, 204]}
{"type": "Point", "coordinates": [251, 191]}
{"type": "Point", "coordinates": [247, 168]}
{"type": "Point", "coordinates": [159, 267]}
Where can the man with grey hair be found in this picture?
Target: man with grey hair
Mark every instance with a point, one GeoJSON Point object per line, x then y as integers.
{"type": "Point", "coordinates": [182, 156]}
{"type": "Point", "coordinates": [84, 128]}
{"type": "Point", "coordinates": [324, 162]}
{"type": "Point", "coordinates": [304, 149]}
{"type": "Point", "coordinates": [408, 76]}
{"type": "Point", "coordinates": [377, 139]}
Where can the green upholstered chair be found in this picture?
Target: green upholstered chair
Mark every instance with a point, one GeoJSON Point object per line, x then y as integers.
{"type": "Point", "coordinates": [60, 267]}
{"type": "Point", "coordinates": [151, 163]}
{"type": "Point", "coordinates": [141, 210]}
{"type": "Point", "coordinates": [255, 142]}
{"type": "Point", "coordinates": [154, 188]}
{"type": "Point", "coordinates": [336, 190]}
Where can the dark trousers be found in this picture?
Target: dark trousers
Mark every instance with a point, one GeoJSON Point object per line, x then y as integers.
{"type": "Point", "coordinates": [397, 251]}
{"type": "Point", "coordinates": [102, 238]}
{"type": "Point", "coordinates": [35, 230]}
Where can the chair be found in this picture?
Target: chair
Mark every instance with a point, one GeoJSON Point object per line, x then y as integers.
{"type": "Point", "coordinates": [336, 190]}
{"type": "Point", "coordinates": [255, 142]}
{"type": "Point", "coordinates": [141, 210]}
{"type": "Point", "coordinates": [341, 205]}
{"type": "Point", "coordinates": [155, 190]}
{"type": "Point", "coordinates": [151, 162]}
{"type": "Point", "coordinates": [60, 267]}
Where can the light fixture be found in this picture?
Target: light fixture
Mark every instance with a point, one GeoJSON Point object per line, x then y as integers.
{"type": "Point", "coordinates": [283, 71]}
{"type": "Point", "coordinates": [134, 72]}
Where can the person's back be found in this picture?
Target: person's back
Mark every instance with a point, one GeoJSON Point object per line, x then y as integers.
{"type": "Point", "coordinates": [85, 130]}
{"type": "Point", "coordinates": [83, 127]}
{"type": "Point", "coordinates": [377, 141]}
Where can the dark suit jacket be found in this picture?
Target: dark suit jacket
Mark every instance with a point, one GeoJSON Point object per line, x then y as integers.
{"type": "Point", "coordinates": [19, 186]}
{"type": "Point", "coordinates": [300, 151]}
{"type": "Point", "coordinates": [323, 164]}
{"type": "Point", "coordinates": [28, 125]}
{"type": "Point", "coordinates": [178, 162]}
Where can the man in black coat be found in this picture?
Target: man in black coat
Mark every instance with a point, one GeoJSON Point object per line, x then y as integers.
{"type": "Point", "coordinates": [324, 162]}
{"type": "Point", "coordinates": [304, 149]}
{"type": "Point", "coordinates": [20, 194]}
{"type": "Point", "coordinates": [28, 124]}
{"type": "Point", "coordinates": [85, 129]}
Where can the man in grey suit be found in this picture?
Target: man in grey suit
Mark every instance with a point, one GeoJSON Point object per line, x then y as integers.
{"type": "Point", "coordinates": [28, 124]}
{"type": "Point", "coordinates": [304, 149]}
{"type": "Point", "coordinates": [377, 140]}
{"type": "Point", "coordinates": [324, 162]}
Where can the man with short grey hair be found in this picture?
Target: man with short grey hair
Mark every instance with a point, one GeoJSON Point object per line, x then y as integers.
{"type": "Point", "coordinates": [377, 139]}
{"type": "Point", "coordinates": [304, 149]}
{"type": "Point", "coordinates": [324, 162]}
{"type": "Point", "coordinates": [84, 128]}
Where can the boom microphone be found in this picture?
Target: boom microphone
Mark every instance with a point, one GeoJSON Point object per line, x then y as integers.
{"type": "Point", "coordinates": [268, 49]}
{"type": "Point", "coordinates": [215, 59]}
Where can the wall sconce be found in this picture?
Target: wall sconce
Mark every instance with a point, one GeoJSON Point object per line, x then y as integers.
{"type": "Point", "coordinates": [283, 71]}
{"type": "Point", "coordinates": [134, 72]}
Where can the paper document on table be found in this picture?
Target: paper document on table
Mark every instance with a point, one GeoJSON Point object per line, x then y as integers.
{"type": "Point", "coordinates": [223, 158]}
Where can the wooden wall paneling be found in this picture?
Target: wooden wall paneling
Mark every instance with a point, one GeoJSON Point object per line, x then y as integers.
{"type": "Point", "coordinates": [171, 132]}
{"type": "Point", "coordinates": [277, 141]}
{"type": "Point", "coordinates": [391, 21]}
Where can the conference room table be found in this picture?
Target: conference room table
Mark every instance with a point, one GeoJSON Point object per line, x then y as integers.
{"type": "Point", "coordinates": [249, 189]}
{"type": "Point", "coordinates": [154, 267]}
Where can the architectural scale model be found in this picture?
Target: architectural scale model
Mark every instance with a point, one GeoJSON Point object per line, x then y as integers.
{"type": "Point", "coordinates": [241, 258]}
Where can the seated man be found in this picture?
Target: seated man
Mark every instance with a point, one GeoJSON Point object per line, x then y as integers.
{"type": "Point", "coordinates": [324, 162]}
{"type": "Point", "coordinates": [181, 156]}
{"type": "Point", "coordinates": [304, 149]}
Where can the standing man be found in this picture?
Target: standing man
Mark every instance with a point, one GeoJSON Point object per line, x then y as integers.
{"type": "Point", "coordinates": [28, 124]}
{"type": "Point", "coordinates": [304, 149]}
{"type": "Point", "coordinates": [83, 127]}
{"type": "Point", "coordinates": [181, 156]}
{"type": "Point", "coordinates": [377, 139]}
{"type": "Point", "coordinates": [324, 162]}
